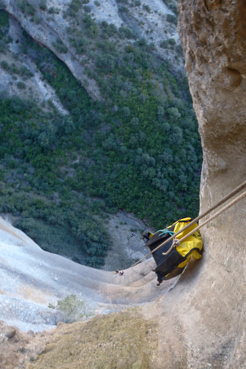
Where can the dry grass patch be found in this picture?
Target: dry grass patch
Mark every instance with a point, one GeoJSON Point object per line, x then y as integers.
{"type": "Point", "coordinates": [120, 340]}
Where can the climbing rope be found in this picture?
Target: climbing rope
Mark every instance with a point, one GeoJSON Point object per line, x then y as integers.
{"type": "Point", "coordinates": [166, 231]}
{"type": "Point", "coordinates": [176, 242]}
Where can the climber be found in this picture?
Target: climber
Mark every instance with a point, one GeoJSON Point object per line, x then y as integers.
{"type": "Point", "coordinates": [146, 236]}
{"type": "Point", "coordinates": [172, 258]}
{"type": "Point", "coordinates": [119, 271]}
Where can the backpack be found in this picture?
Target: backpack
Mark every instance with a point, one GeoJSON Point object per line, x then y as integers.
{"type": "Point", "coordinates": [172, 264]}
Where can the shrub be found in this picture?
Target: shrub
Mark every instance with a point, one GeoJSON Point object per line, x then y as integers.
{"type": "Point", "coordinates": [73, 309]}
{"type": "Point", "coordinates": [90, 27]}
{"type": "Point", "coordinates": [37, 19]}
{"type": "Point", "coordinates": [53, 10]}
{"type": "Point", "coordinates": [125, 32]}
{"type": "Point", "coordinates": [147, 8]}
{"type": "Point", "coordinates": [106, 62]}
{"type": "Point", "coordinates": [24, 72]}
{"type": "Point", "coordinates": [171, 19]}
{"type": "Point", "coordinates": [179, 50]}
{"type": "Point", "coordinates": [87, 9]}
{"type": "Point", "coordinates": [171, 41]}
{"type": "Point", "coordinates": [126, 111]}
{"type": "Point", "coordinates": [108, 29]}
{"type": "Point", "coordinates": [123, 9]}
{"type": "Point", "coordinates": [4, 65]}
{"type": "Point", "coordinates": [2, 4]}
{"type": "Point", "coordinates": [21, 85]}
{"type": "Point", "coordinates": [3, 47]}
{"type": "Point", "coordinates": [166, 127]}
{"type": "Point", "coordinates": [60, 47]}
{"type": "Point", "coordinates": [173, 7]}
{"type": "Point", "coordinates": [4, 20]}
{"type": "Point", "coordinates": [75, 5]}
{"type": "Point", "coordinates": [43, 4]}
{"type": "Point", "coordinates": [26, 7]}
{"type": "Point", "coordinates": [174, 113]}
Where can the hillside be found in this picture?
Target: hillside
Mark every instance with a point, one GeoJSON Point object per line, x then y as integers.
{"type": "Point", "coordinates": [96, 117]}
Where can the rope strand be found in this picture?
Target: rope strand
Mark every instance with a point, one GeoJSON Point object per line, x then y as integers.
{"type": "Point", "coordinates": [222, 201]}
{"type": "Point", "coordinates": [233, 202]}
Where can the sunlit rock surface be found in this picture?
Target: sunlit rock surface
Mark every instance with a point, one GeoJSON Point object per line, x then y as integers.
{"type": "Point", "coordinates": [213, 37]}
{"type": "Point", "coordinates": [33, 279]}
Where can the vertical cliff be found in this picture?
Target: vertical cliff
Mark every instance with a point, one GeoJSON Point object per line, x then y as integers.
{"type": "Point", "coordinates": [213, 36]}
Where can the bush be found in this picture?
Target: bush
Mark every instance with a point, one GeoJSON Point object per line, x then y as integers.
{"type": "Point", "coordinates": [172, 41]}
{"type": "Point", "coordinates": [106, 62]}
{"type": "Point", "coordinates": [90, 27]}
{"type": "Point", "coordinates": [179, 50]}
{"type": "Point", "coordinates": [125, 32]}
{"type": "Point", "coordinates": [43, 4]}
{"type": "Point", "coordinates": [53, 10]}
{"type": "Point", "coordinates": [75, 5]}
{"type": "Point", "coordinates": [123, 9]}
{"type": "Point", "coordinates": [174, 113]}
{"type": "Point", "coordinates": [73, 309]}
{"type": "Point", "coordinates": [37, 19]}
{"type": "Point", "coordinates": [26, 7]}
{"type": "Point", "coordinates": [87, 9]}
{"type": "Point", "coordinates": [60, 47]}
{"type": "Point", "coordinates": [147, 8]}
{"type": "Point", "coordinates": [24, 72]}
{"type": "Point", "coordinates": [4, 65]}
{"type": "Point", "coordinates": [2, 4]}
{"type": "Point", "coordinates": [164, 44]}
{"type": "Point", "coordinates": [108, 29]}
{"type": "Point", "coordinates": [21, 85]}
{"type": "Point", "coordinates": [171, 19]}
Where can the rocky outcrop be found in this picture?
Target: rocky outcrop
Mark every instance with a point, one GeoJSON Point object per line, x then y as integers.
{"type": "Point", "coordinates": [34, 281]}
{"type": "Point", "coordinates": [40, 290]}
{"type": "Point", "coordinates": [47, 24]}
{"type": "Point", "coordinates": [213, 38]}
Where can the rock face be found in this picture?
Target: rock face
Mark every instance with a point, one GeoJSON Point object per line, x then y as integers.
{"type": "Point", "coordinates": [213, 37]}
{"type": "Point", "coordinates": [48, 23]}
{"type": "Point", "coordinates": [201, 322]}
{"type": "Point", "coordinates": [33, 280]}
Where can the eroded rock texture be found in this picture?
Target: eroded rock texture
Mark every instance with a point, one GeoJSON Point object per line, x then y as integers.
{"type": "Point", "coordinates": [213, 35]}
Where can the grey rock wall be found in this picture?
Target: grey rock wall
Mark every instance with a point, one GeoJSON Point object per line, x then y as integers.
{"type": "Point", "coordinates": [212, 34]}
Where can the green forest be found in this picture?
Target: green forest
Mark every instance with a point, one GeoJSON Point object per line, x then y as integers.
{"type": "Point", "coordinates": [137, 149]}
